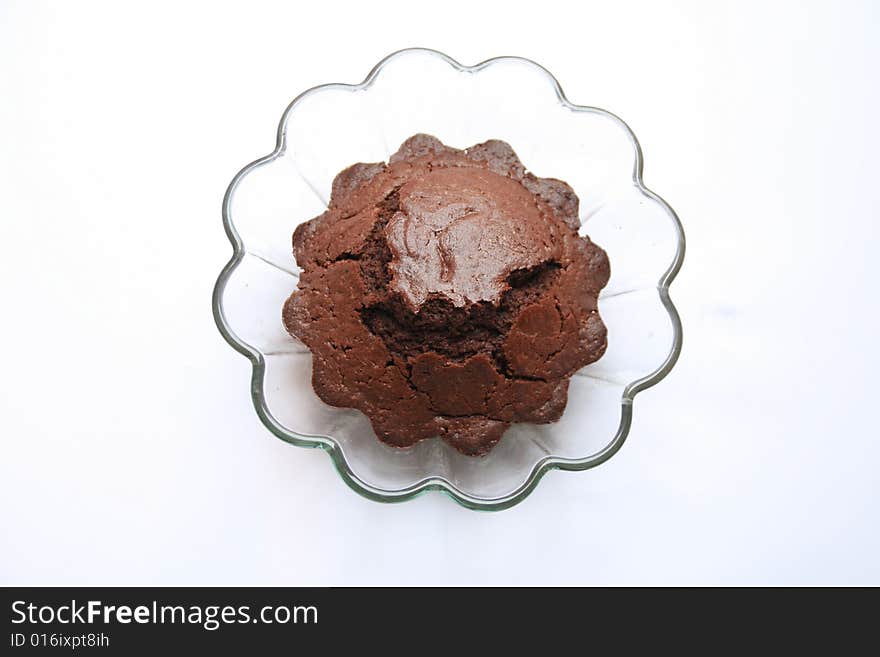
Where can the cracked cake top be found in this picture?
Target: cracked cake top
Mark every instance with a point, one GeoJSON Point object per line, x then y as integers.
{"type": "Point", "coordinates": [447, 293]}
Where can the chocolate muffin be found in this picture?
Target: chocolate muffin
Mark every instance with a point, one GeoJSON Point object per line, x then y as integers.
{"type": "Point", "coordinates": [447, 293]}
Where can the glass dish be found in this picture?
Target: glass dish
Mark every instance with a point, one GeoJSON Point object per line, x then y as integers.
{"type": "Point", "coordinates": [329, 127]}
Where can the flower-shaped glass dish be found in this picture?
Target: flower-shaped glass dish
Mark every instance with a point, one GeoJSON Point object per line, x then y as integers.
{"type": "Point", "coordinates": [330, 127]}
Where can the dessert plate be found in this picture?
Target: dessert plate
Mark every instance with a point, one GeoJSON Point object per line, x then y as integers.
{"type": "Point", "coordinates": [330, 127]}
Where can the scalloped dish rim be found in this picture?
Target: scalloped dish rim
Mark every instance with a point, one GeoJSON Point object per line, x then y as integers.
{"type": "Point", "coordinates": [435, 482]}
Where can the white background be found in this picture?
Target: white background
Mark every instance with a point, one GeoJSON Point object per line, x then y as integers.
{"type": "Point", "coordinates": [130, 450]}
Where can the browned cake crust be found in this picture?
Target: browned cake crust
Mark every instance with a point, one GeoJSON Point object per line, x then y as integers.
{"type": "Point", "coordinates": [447, 293]}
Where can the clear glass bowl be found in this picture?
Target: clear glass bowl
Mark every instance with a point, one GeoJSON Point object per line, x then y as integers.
{"type": "Point", "coordinates": [329, 127]}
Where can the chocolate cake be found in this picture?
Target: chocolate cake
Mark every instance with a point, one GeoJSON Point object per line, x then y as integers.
{"type": "Point", "coordinates": [447, 293]}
